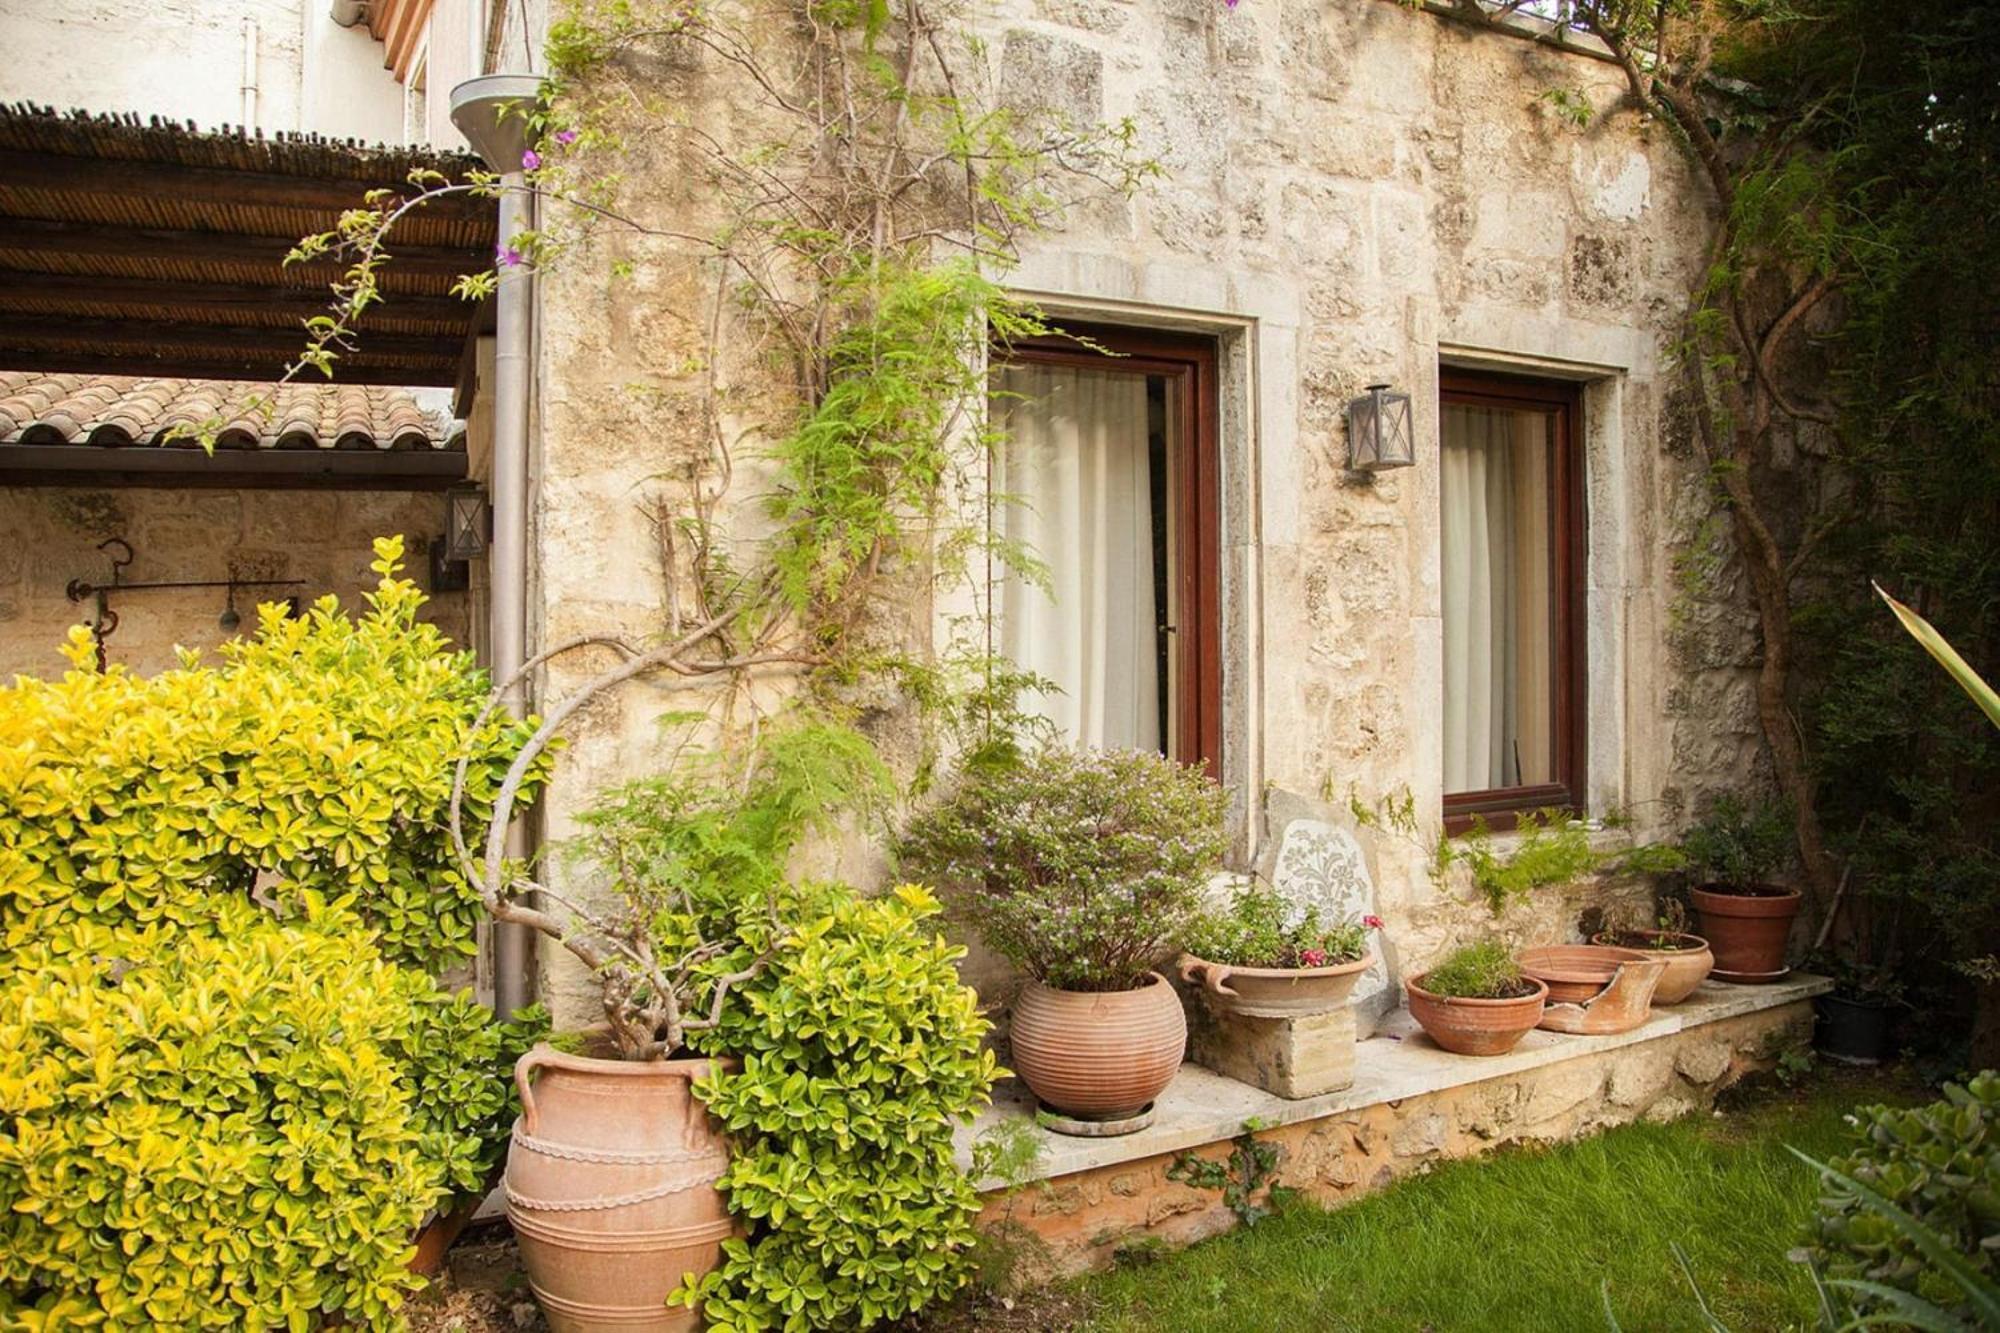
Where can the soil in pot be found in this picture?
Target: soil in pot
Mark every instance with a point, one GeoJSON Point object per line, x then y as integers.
{"type": "Point", "coordinates": [1854, 1031]}
{"type": "Point", "coordinates": [1477, 1027]}
{"type": "Point", "coordinates": [1688, 957]}
{"type": "Point", "coordinates": [1747, 928]}
{"type": "Point", "coordinates": [1099, 1057]}
{"type": "Point", "coordinates": [611, 1189]}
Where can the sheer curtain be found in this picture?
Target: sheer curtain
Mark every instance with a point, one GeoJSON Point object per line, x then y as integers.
{"type": "Point", "coordinates": [1496, 598]}
{"type": "Point", "coordinates": [1075, 479]}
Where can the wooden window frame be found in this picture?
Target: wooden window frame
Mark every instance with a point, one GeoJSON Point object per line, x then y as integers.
{"type": "Point", "coordinates": [1502, 807]}
{"type": "Point", "coordinates": [1189, 361]}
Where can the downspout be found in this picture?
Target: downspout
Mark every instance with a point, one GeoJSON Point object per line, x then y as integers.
{"type": "Point", "coordinates": [485, 110]}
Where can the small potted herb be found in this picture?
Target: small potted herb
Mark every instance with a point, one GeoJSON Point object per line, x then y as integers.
{"type": "Point", "coordinates": [1732, 852]}
{"type": "Point", "coordinates": [1688, 957]}
{"type": "Point", "coordinates": [1477, 1001]}
{"type": "Point", "coordinates": [1084, 868]}
{"type": "Point", "coordinates": [1264, 958]}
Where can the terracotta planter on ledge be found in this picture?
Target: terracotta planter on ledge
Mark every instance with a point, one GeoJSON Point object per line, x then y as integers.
{"type": "Point", "coordinates": [1747, 931]}
{"type": "Point", "coordinates": [1688, 962]}
{"type": "Point", "coordinates": [611, 1189]}
{"type": "Point", "coordinates": [1097, 1059]}
{"type": "Point", "coordinates": [1476, 1027]}
{"type": "Point", "coordinates": [1275, 992]}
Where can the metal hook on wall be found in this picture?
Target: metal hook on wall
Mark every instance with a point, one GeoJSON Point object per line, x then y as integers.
{"type": "Point", "coordinates": [107, 620]}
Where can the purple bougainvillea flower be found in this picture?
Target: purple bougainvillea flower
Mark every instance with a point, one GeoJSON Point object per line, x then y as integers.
{"type": "Point", "coordinates": [1230, 3]}
{"type": "Point", "coordinates": [565, 137]}
{"type": "Point", "coordinates": [531, 160]}
{"type": "Point", "coordinates": [506, 256]}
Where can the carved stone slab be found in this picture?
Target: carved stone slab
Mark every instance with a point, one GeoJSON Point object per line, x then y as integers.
{"type": "Point", "coordinates": [1317, 863]}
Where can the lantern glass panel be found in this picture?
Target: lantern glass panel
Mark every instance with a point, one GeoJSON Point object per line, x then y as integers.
{"type": "Point", "coordinates": [465, 523]}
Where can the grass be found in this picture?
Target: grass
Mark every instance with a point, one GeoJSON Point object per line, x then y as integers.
{"type": "Point", "coordinates": [1527, 1239]}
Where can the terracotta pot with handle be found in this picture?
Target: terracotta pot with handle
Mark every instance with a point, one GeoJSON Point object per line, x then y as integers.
{"type": "Point", "coordinates": [1747, 931]}
{"type": "Point", "coordinates": [1275, 992]}
{"type": "Point", "coordinates": [1098, 1055]}
{"type": "Point", "coordinates": [1476, 1027]}
{"type": "Point", "coordinates": [610, 1187]}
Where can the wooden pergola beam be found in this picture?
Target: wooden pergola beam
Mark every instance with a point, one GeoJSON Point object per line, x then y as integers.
{"type": "Point", "coordinates": [276, 469]}
{"type": "Point", "coordinates": [119, 178]}
{"type": "Point", "coordinates": [219, 298]}
{"type": "Point", "coordinates": [35, 236]}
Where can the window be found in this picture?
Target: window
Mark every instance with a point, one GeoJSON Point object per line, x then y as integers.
{"type": "Point", "coordinates": [1510, 481]}
{"type": "Point", "coordinates": [1109, 477]}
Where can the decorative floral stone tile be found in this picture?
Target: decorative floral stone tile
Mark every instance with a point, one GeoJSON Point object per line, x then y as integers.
{"type": "Point", "coordinates": [1319, 864]}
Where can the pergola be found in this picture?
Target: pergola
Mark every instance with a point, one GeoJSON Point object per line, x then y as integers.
{"type": "Point", "coordinates": [157, 249]}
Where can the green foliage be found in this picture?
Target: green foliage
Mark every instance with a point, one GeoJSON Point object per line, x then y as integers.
{"type": "Point", "coordinates": [458, 1066]}
{"type": "Point", "coordinates": [315, 760]}
{"type": "Point", "coordinates": [1083, 867]}
{"type": "Point", "coordinates": [1940, 1164]}
{"type": "Point", "coordinates": [1486, 970]}
{"type": "Point", "coordinates": [1737, 844]}
{"type": "Point", "coordinates": [216, 1129]}
{"type": "Point", "coordinates": [1545, 847]}
{"type": "Point", "coordinates": [861, 1051]}
{"type": "Point", "coordinates": [1259, 929]}
{"type": "Point", "coordinates": [1251, 1167]}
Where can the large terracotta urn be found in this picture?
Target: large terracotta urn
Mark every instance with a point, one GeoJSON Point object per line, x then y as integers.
{"type": "Point", "coordinates": [1099, 1056]}
{"type": "Point", "coordinates": [1748, 930]}
{"type": "Point", "coordinates": [610, 1187]}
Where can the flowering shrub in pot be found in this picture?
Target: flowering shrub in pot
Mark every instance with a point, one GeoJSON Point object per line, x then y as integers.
{"type": "Point", "coordinates": [1264, 958]}
{"type": "Point", "coordinates": [1477, 1001]}
{"type": "Point", "coordinates": [1731, 853]}
{"type": "Point", "coordinates": [1084, 868]}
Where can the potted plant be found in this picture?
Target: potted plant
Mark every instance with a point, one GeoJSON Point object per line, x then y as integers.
{"type": "Point", "coordinates": [1731, 853]}
{"type": "Point", "coordinates": [1688, 957]}
{"type": "Point", "coordinates": [1854, 1022]}
{"type": "Point", "coordinates": [1264, 958]}
{"type": "Point", "coordinates": [1084, 868]}
{"type": "Point", "coordinates": [1477, 1001]}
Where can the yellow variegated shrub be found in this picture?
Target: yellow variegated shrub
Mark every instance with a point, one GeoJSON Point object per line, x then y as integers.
{"type": "Point", "coordinates": [317, 756]}
{"type": "Point", "coordinates": [211, 1128]}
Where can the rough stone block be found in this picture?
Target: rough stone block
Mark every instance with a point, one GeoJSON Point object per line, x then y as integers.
{"type": "Point", "coordinates": [1289, 1057]}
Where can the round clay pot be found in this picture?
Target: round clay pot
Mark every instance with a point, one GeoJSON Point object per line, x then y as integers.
{"type": "Point", "coordinates": [1098, 1055]}
{"type": "Point", "coordinates": [1275, 992]}
{"type": "Point", "coordinates": [611, 1189]}
{"type": "Point", "coordinates": [1476, 1027]}
{"type": "Point", "coordinates": [1688, 964]}
{"type": "Point", "coordinates": [1747, 931]}
{"type": "Point", "coordinates": [1575, 973]}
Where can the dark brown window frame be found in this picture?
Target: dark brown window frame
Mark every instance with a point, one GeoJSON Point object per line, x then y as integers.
{"type": "Point", "coordinates": [1190, 361]}
{"type": "Point", "coordinates": [1501, 807]}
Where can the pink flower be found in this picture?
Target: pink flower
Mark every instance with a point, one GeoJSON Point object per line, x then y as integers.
{"type": "Point", "coordinates": [531, 160]}
{"type": "Point", "coordinates": [565, 137]}
{"type": "Point", "coordinates": [1312, 958]}
{"type": "Point", "coordinates": [1372, 922]}
{"type": "Point", "coordinates": [506, 256]}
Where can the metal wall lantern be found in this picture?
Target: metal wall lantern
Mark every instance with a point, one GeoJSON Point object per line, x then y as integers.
{"type": "Point", "coordinates": [1379, 431]}
{"type": "Point", "coordinates": [467, 523]}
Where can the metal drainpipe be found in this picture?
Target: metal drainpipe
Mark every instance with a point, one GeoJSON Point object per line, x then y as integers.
{"type": "Point", "coordinates": [249, 85]}
{"type": "Point", "coordinates": [508, 594]}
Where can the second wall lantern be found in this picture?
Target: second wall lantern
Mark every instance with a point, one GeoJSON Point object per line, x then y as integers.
{"type": "Point", "coordinates": [1379, 431]}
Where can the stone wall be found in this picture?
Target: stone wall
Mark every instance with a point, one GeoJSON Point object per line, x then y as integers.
{"type": "Point", "coordinates": [1353, 191]}
{"type": "Point", "coordinates": [322, 537]}
{"type": "Point", "coordinates": [1077, 1222]}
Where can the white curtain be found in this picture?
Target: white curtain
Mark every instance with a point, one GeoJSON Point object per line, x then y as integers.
{"type": "Point", "coordinates": [1497, 607]}
{"type": "Point", "coordinates": [1074, 482]}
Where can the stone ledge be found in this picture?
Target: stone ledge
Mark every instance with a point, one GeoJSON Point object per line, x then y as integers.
{"type": "Point", "coordinates": [1398, 1062]}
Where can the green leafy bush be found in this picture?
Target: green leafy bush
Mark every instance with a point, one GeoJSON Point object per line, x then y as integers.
{"type": "Point", "coordinates": [1938, 1163]}
{"type": "Point", "coordinates": [1083, 867]}
{"type": "Point", "coordinates": [1482, 971]}
{"type": "Point", "coordinates": [218, 1129]}
{"type": "Point", "coordinates": [1737, 844]}
{"type": "Point", "coordinates": [861, 1050]}
{"type": "Point", "coordinates": [1254, 931]}
{"type": "Point", "coordinates": [316, 758]}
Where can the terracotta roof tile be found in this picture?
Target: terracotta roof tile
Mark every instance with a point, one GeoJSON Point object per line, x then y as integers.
{"type": "Point", "coordinates": [112, 410]}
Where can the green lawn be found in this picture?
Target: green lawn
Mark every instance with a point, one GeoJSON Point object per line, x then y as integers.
{"type": "Point", "coordinates": [1524, 1240]}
